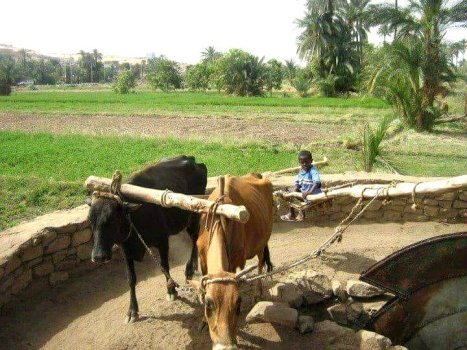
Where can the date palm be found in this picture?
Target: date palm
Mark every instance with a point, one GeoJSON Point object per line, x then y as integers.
{"type": "Point", "coordinates": [426, 20]}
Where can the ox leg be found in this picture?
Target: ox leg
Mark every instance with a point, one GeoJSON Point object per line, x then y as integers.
{"type": "Point", "coordinates": [192, 264]}
{"type": "Point", "coordinates": [171, 285]}
{"type": "Point", "coordinates": [259, 286]}
{"type": "Point", "coordinates": [267, 259]}
{"type": "Point", "coordinates": [133, 310]}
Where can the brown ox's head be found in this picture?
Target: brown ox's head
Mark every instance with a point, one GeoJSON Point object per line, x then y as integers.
{"type": "Point", "coordinates": [222, 304]}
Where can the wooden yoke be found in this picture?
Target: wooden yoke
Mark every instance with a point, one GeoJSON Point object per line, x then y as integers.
{"type": "Point", "coordinates": [221, 183]}
{"type": "Point", "coordinates": [169, 199]}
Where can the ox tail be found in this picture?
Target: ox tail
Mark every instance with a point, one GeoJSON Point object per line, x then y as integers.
{"type": "Point", "coordinates": [267, 259]}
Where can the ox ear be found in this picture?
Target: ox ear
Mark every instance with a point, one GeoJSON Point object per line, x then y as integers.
{"type": "Point", "coordinates": [131, 206]}
{"type": "Point", "coordinates": [88, 201]}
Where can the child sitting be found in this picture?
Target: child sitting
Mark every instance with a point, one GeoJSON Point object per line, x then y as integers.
{"type": "Point", "coordinates": [308, 182]}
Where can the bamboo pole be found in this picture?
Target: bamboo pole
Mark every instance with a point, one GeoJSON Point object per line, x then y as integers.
{"type": "Point", "coordinates": [296, 168]}
{"type": "Point", "coordinates": [400, 189]}
{"type": "Point", "coordinates": [169, 199]}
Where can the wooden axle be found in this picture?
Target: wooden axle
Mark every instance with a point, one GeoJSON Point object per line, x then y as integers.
{"type": "Point", "coordinates": [169, 199]}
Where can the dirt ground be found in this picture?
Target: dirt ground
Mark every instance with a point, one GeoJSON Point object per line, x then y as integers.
{"type": "Point", "coordinates": [177, 127]}
{"type": "Point", "coordinates": [88, 312]}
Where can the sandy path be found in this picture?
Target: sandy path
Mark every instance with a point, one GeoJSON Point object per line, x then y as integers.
{"type": "Point", "coordinates": [178, 127]}
{"type": "Point", "coordinates": [88, 312]}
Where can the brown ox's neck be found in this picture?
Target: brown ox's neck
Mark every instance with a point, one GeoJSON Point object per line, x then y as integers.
{"type": "Point", "coordinates": [217, 259]}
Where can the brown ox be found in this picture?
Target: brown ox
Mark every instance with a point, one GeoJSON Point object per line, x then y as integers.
{"type": "Point", "coordinates": [225, 245]}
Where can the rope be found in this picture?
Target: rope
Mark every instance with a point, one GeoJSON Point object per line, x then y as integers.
{"type": "Point", "coordinates": [164, 198]}
{"type": "Point", "coordinates": [337, 236]}
{"type": "Point", "coordinates": [115, 186]}
{"type": "Point", "coordinates": [414, 205]}
{"type": "Point", "coordinates": [133, 227]}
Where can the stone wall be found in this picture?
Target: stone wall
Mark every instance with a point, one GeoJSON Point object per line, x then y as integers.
{"type": "Point", "coordinates": [449, 207]}
{"type": "Point", "coordinates": [43, 253]}
{"type": "Point", "coordinates": [50, 249]}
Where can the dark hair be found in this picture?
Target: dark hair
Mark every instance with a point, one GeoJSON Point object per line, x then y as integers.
{"type": "Point", "coordinates": [305, 154]}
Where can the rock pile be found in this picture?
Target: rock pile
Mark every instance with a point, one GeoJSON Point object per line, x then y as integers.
{"type": "Point", "coordinates": [351, 306]}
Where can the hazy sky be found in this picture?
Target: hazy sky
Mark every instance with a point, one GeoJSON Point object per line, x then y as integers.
{"type": "Point", "coordinates": [179, 29]}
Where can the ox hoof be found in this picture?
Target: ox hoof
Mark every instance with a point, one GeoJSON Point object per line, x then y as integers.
{"type": "Point", "coordinates": [170, 297]}
{"type": "Point", "coordinates": [131, 319]}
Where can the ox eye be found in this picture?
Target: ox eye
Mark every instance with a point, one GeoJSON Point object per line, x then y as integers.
{"type": "Point", "coordinates": [209, 305]}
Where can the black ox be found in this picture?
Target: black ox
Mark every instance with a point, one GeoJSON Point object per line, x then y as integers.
{"type": "Point", "coordinates": [110, 220]}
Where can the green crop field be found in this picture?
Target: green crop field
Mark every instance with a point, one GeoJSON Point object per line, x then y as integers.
{"type": "Point", "coordinates": [41, 172]}
{"type": "Point", "coordinates": [102, 102]}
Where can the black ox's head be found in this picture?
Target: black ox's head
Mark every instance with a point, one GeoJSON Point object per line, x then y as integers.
{"type": "Point", "coordinates": [108, 216]}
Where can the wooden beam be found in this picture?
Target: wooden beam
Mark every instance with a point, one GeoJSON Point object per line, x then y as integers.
{"type": "Point", "coordinates": [296, 168]}
{"type": "Point", "coordinates": [169, 199]}
{"type": "Point", "coordinates": [383, 191]}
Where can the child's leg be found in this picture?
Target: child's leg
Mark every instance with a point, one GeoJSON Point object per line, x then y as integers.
{"type": "Point", "coordinates": [300, 216]}
{"type": "Point", "coordinates": [290, 216]}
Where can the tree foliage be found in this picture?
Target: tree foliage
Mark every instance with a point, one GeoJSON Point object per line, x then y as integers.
{"type": "Point", "coordinates": [240, 73]}
{"type": "Point", "coordinates": [421, 68]}
{"type": "Point", "coordinates": [302, 82]}
{"type": "Point", "coordinates": [328, 41]}
{"type": "Point", "coordinates": [163, 74]}
{"type": "Point", "coordinates": [198, 76]}
{"type": "Point", "coordinates": [7, 74]}
{"type": "Point", "coordinates": [273, 75]}
{"type": "Point", "coordinates": [125, 82]}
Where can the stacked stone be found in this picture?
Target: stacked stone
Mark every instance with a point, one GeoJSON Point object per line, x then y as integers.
{"type": "Point", "coordinates": [45, 259]}
{"type": "Point", "coordinates": [351, 306]}
{"type": "Point", "coordinates": [451, 207]}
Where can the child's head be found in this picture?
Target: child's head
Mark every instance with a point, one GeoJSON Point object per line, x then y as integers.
{"type": "Point", "coordinates": [305, 159]}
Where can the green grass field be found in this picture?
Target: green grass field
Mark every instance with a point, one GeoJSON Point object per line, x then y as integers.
{"type": "Point", "coordinates": [42, 172]}
{"type": "Point", "coordinates": [186, 104]}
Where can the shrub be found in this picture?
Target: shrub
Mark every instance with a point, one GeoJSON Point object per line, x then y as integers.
{"type": "Point", "coordinates": [327, 86]}
{"type": "Point", "coordinates": [302, 82]}
{"type": "Point", "coordinates": [372, 141]}
{"type": "Point", "coordinates": [125, 82]}
{"type": "Point", "coordinates": [198, 76]}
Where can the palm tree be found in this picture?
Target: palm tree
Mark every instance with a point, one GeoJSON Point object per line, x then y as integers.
{"type": "Point", "coordinates": [290, 69]}
{"type": "Point", "coordinates": [356, 13]}
{"type": "Point", "coordinates": [210, 54]}
{"type": "Point", "coordinates": [428, 21]}
{"type": "Point", "coordinates": [326, 40]}
{"type": "Point", "coordinates": [384, 31]}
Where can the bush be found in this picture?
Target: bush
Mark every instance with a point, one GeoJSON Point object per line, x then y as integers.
{"type": "Point", "coordinates": [198, 76]}
{"type": "Point", "coordinates": [125, 82]}
{"type": "Point", "coordinates": [5, 88]}
{"type": "Point", "coordinates": [327, 86]}
{"type": "Point", "coordinates": [302, 82]}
